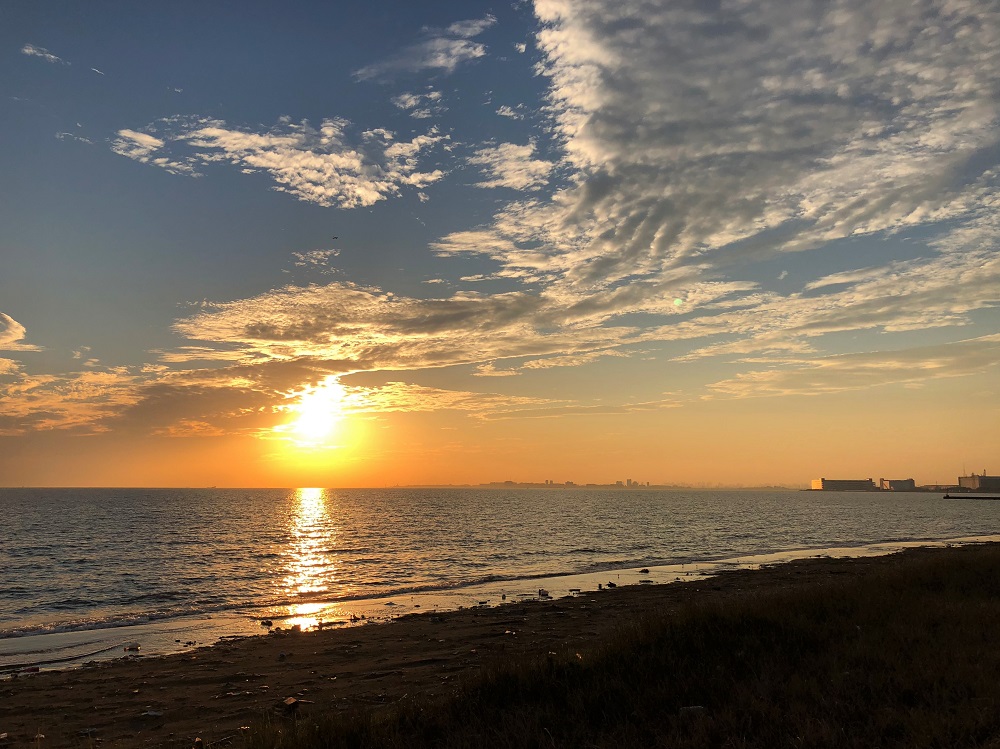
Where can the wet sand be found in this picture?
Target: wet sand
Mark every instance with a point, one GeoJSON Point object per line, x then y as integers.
{"type": "Point", "coordinates": [212, 692]}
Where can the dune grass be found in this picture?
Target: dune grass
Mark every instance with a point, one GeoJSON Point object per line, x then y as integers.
{"type": "Point", "coordinates": [908, 656]}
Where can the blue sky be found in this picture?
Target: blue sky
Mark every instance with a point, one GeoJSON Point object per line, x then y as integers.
{"type": "Point", "coordinates": [592, 214]}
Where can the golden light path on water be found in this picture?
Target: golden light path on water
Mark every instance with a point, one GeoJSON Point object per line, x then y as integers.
{"type": "Point", "coordinates": [311, 566]}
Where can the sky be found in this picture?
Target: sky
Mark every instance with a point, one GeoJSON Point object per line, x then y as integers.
{"type": "Point", "coordinates": [393, 243]}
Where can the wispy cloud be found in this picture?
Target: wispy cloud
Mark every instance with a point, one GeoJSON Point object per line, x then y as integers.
{"type": "Point", "coordinates": [32, 51]}
{"type": "Point", "coordinates": [511, 165]}
{"type": "Point", "coordinates": [12, 334]}
{"type": "Point", "coordinates": [147, 149]}
{"type": "Point", "coordinates": [513, 113]}
{"type": "Point", "coordinates": [829, 122]}
{"type": "Point", "coordinates": [321, 165]}
{"type": "Point", "coordinates": [82, 400]}
{"type": "Point", "coordinates": [442, 51]}
{"type": "Point", "coordinates": [420, 106]}
{"type": "Point", "coordinates": [835, 374]}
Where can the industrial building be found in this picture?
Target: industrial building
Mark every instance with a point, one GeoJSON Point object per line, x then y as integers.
{"type": "Point", "coordinates": [981, 483]}
{"type": "Point", "coordinates": [844, 485]}
{"type": "Point", "coordinates": [897, 485]}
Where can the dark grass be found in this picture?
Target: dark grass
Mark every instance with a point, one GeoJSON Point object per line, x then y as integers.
{"type": "Point", "coordinates": [908, 656]}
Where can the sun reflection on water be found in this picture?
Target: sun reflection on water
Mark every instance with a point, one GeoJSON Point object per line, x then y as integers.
{"type": "Point", "coordinates": [311, 566]}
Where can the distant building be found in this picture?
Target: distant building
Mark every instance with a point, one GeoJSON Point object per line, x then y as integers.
{"type": "Point", "coordinates": [981, 483]}
{"type": "Point", "coordinates": [897, 485]}
{"type": "Point", "coordinates": [844, 485]}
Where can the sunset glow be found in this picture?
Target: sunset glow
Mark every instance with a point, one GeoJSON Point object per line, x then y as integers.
{"type": "Point", "coordinates": [315, 415]}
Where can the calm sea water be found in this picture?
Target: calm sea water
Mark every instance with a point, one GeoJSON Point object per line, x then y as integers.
{"type": "Point", "coordinates": [90, 560]}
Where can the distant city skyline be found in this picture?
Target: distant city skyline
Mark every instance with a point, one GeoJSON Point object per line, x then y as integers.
{"type": "Point", "coordinates": [322, 245]}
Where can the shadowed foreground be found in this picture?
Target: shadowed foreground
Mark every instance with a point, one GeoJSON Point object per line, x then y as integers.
{"type": "Point", "coordinates": [897, 651]}
{"type": "Point", "coordinates": [905, 656]}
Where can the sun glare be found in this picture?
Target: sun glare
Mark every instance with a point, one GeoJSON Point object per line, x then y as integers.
{"type": "Point", "coordinates": [315, 415]}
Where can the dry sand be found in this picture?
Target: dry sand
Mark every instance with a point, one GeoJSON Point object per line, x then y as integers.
{"type": "Point", "coordinates": [212, 692]}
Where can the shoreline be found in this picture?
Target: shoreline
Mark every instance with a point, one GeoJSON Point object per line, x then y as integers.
{"type": "Point", "coordinates": [211, 692]}
{"type": "Point", "coordinates": [74, 648]}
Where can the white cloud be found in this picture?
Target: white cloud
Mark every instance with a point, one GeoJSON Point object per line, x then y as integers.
{"type": "Point", "coordinates": [704, 136]}
{"type": "Point", "coordinates": [514, 113]}
{"type": "Point", "coordinates": [411, 102]}
{"type": "Point", "coordinates": [443, 51]}
{"type": "Point", "coordinates": [511, 165]}
{"type": "Point", "coordinates": [32, 51]}
{"type": "Point", "coordinates": [11, 335]}
{"type": "Point", "coordinates": [317, 165]}
{"type": "Point", "coordinates": [72, 136]}
{"type": "Point", "coordinates": [145, 148]}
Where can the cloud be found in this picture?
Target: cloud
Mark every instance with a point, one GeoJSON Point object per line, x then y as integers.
{"type": "Point", "coordinates": [697, 140]}
{"type": "Point", "coordinates": [511, 165]}
{"type": "Point", "coordinates": [420, 106]}
{"type": "Point", "coordinates": [408, 398]}
{"type": "Point", "coordinates": [72, 136]}
{"type": "Point", "coordinates": [80, 401]}
{"type": "Point", "coordinates": [705, 135]}
{"type": "Point", "coordinates": [146, 149]}
{"type": "Point", "coordinates": [319, 165]}
{"type": "Point", "coordinates": [32, 51]}
{"type": "Point", "coordinates": [860, 371]}
{"type": "Point", "coordinates": [513, 113]}
{"type": "Point", "coordinates": [443, 51]}
{"type": "Point", "coordinates": [693, 140]}
{"type": "Point", "coordinates": [315, 259]}
{"type": "Point", "coordinates": [11, 335]}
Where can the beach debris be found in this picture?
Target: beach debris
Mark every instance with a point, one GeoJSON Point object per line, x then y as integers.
{"type": "Point", "coordinates": [612, 585]}
{"type": "Point", "coordinates": [282, 655]}
{"type": "Point", "coordinates": [86, 732]}
{"type": "Point", "coordinates": [266, 623]}
{"type": "Point", "coordinates": [291, 704]}
{"type": "Point", "coordinates": [644, 571]}
{"type": "Point", "coordinates": [39, 736]}
{"type": "Point", "coordinates": [574, 590]}
{"type": "Point", "coordinates": [503, 596]}
{"type": "Point", "coordinates": [600, 587]}
{"type": "Point", "coordinates": [3, 736]}
{"type": "Point", "coordinates": [131, 646]}
{"type": "Point", "coordinates": [542, 593]}
{"type": "Point", "coordinates": [198, 743]}
{"type": "Point", "coordinates": [152, 714]}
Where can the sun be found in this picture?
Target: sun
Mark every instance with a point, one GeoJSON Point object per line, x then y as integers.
{"type": "Point", "coordinates": [315, 414]}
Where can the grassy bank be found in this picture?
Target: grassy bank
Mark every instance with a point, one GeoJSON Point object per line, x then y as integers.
{"type": "Point", "coordinates": [906, 656]}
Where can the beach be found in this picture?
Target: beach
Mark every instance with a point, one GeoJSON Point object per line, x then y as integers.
{"type": "Point", "coordinates": [214, 692]}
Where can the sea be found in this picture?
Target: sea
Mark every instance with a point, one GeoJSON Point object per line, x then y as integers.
{"type": "Point", "coordinates": [92, 574]}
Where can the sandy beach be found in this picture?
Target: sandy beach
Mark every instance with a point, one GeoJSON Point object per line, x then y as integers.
{"type": "Point", "coordinates": [210, 693]}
